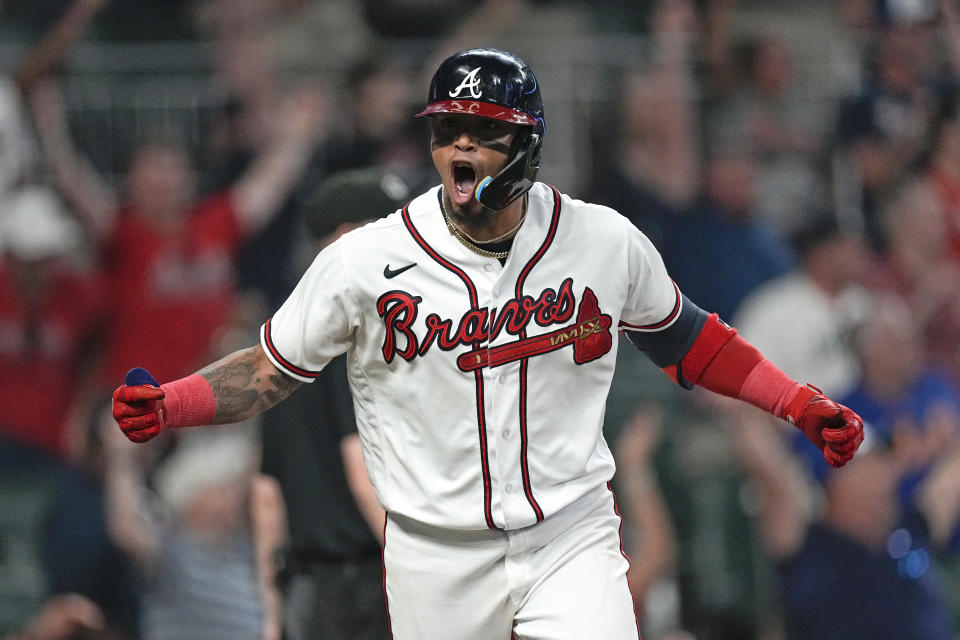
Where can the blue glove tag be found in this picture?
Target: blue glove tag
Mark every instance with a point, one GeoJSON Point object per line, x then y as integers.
{"type": "Point", "coordinates": [139, 376]}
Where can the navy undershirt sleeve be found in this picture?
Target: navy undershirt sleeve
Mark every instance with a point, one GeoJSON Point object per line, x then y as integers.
{"type": "Point", "coordinates": [669, 345]}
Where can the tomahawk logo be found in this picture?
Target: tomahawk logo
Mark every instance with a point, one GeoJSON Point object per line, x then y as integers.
{"type": "Point", "coordinates": [471, 82]}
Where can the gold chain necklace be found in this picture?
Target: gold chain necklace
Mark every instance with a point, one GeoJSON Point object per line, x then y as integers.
{"type": "Point", "coordinates": [472, 243]}
{"type": "Point", "coordinates": [455, 232]}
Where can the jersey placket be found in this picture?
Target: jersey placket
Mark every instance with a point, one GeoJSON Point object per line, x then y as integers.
{"type": "Point", "coordinates": [502, 410]}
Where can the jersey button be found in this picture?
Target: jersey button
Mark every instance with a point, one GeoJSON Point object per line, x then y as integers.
{"type": "Point", "coordinates": [496, 291]}
{"type": "Point", "coordinates": [502, 379]}
{"type": "Point", "coordinates": [488, 267]}
{"type": "Point", "coordinates": [508, 488]}
{"type": "Point", "coordinates": [506, 434]}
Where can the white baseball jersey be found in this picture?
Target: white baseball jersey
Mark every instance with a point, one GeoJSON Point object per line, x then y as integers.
{"type": "Point", "coordinates": [479, 387]}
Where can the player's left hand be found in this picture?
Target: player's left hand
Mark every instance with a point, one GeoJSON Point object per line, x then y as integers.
{"type": "Point", "coordinates": [834, 428]}
{"type": "Point", "coordinates": [138, 406]}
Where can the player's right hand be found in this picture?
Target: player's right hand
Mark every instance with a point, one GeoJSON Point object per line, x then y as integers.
{"type": "Point", "coordinates": [138, 406]}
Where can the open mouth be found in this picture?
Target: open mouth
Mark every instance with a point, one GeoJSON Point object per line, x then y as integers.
{"type": "Point", "coordinates": [464, 182]}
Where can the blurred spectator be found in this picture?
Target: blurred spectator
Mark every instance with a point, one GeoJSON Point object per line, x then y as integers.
{"type": "Point", "coordinates": [910, 407]}
{"type": "Point", "coordinates": [370, 125]}
{"type": "Point", "coordinates": [54, 540]}
{"type": "Point", "coordinates": [905, 400]}
{"type": "Point", "coordinates": [161, 241]}
{"type": "Point", "coordinates": [332, 569]}
{"type": "Point", "coordinates": [885, 125]}
{"type": "Point", "coordinates": [918, 267]}
{"type": "Point", "coordinates": [650, 539]}
{"type": "Point", "coordinates": [51, 308]}
{"type": "Point", "coordinates": [805, 320]}
{"type": "Point", "coordinates": [351, 30]}
{"type": "Point", "coordinates": [247, 70]}
{"type": "Point", "coordinates": [721, 251]}
{"type": "Point", "coordinates": [50, 313]}
{"type": "Point", "coordinates": [652, 172]}
{"type": "Point", "coordinates": [849, 572]}
{"type": "Point", "coordinates": [907, 405]}
{"type": "Point", "coordinates": [53, 537]}
{"type": "Point", "coordinates": [376, 129]}
{"type": "Point", "coordinates": [767, 116]}
{"type": "Point", "coordinates": [18, 153]}
{"type": "Point", "coordinates": [194, 540]}
{"type": "Point", "coordinates": [872, 165]}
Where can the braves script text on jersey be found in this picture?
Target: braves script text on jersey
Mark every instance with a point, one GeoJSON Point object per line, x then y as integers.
{"type": "Point", "coordinates": [479, 388]}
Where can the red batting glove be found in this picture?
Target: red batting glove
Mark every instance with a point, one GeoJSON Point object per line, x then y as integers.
{"type": "Point", "coordinates": [138, 406]}
{"type": "Point", "coordinates": [835, 429]}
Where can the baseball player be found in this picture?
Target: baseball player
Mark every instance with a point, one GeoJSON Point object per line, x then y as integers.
{"type": "Point", "coordinates": [478, 323]}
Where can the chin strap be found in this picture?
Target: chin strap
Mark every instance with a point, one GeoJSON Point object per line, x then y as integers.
{"type": "Point", "coordinates": [515, 179]}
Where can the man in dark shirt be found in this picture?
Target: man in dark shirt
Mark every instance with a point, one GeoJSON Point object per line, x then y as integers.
{"type": "Point", "coordinates": [865, 562]}
{"type": "Point", "coordinates": [331, 571]}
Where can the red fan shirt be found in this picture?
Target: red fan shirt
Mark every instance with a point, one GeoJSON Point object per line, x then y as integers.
{"type": "Point", "coordinates": [41, 347]}
{"type": "Point", "coordinates": [171, 292]}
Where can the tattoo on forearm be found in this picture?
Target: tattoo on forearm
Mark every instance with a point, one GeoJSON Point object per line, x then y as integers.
{"type": "Point", "coordinates": [243, 387]}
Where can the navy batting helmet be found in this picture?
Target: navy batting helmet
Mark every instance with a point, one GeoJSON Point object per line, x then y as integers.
{"type": "Point", "coordinates": [494, 84]}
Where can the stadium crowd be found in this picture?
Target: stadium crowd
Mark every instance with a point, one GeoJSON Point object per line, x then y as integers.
{"type": "Point", "coordinates": [816, 212]}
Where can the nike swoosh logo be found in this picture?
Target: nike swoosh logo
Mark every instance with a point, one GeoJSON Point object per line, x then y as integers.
{"type": "Point", "coordinates": [393, 273]}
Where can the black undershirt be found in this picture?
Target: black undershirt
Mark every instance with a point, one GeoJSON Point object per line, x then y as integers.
{"type": "Point", "coordinates": [497, 247]}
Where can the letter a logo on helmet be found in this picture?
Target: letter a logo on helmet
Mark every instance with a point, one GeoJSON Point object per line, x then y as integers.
{"type": "Point", "coordinates": [471, 82]}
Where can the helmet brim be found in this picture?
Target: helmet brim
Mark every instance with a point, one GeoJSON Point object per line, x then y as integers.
{"type": "Point", "coordinates": [482, 109]}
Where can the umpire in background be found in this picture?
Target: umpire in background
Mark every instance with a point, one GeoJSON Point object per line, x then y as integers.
{"type": "Point", "coordinates": [331, 569]}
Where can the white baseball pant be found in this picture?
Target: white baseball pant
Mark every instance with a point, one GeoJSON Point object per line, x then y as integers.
{"type": "Point", "coordinates": [561, 579]}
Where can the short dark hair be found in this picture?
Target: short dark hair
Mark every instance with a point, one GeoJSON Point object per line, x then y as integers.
{"type": "Point", "coordinates": [819, 227]}
{"type": "Point", "coordinates": [353, 196]}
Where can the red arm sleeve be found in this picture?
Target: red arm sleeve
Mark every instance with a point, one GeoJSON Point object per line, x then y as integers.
{"type": "Point", "coordinates": [722, 362]}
